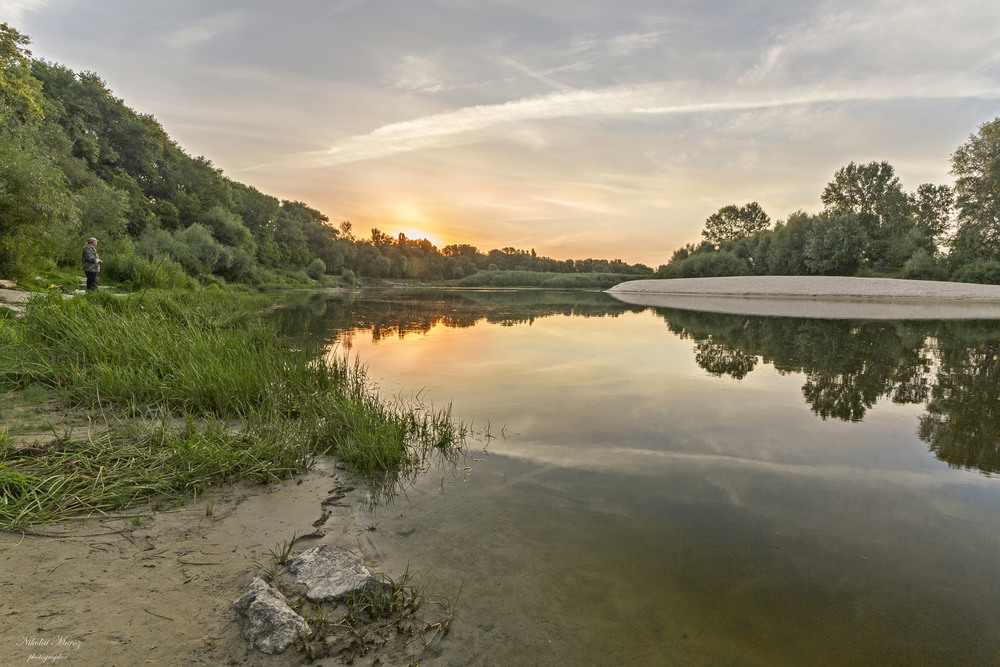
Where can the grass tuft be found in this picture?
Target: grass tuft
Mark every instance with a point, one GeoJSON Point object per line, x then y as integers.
{"type": "Point", "coordinates": [185, 395]}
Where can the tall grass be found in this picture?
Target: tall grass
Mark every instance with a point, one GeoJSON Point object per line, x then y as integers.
{"type": "Point", "coordinates": [231, 399]}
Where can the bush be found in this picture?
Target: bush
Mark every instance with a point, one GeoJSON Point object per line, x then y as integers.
{"type": "Point", "coordinates": [921, 266]}
{"type": "Point", "coordinates": [982, 271]}
{"type": "Point", "coordinates": [316, 269]}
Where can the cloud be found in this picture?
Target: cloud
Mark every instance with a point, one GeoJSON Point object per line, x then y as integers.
{"type": "Point", "coordinates": [891, 35]}
{"type": "Point", "coordinates": [481, 122]}
{"type": "Point", "coordinates": [15, 10]}
{"type": "Point", "coordinates": [205, 31]}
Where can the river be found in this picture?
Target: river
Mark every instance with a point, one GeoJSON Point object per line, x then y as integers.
{"type": "Point", "coordinates": [672, 487]}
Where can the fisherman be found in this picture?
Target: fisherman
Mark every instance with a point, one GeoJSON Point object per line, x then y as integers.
{"type": "Point", "coordinates": [91, 263]}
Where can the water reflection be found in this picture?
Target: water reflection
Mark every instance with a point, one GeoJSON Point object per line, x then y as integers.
{"type": "Point", "coordinates": [951, 367]}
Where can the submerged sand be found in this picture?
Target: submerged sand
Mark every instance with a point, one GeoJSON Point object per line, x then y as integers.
{"type": "Point", "coordinates": [831, 297]}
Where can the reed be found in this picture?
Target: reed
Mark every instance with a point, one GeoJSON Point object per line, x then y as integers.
{"type": "Point", "coordinates": [189, 393]}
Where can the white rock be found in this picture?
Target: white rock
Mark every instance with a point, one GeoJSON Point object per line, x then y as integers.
{"type": "Point", "coordinates": [329, 573]}
{"type": "Point", "coordinates": [271, 624]}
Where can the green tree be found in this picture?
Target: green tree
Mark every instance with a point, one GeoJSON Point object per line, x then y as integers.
{"type": "Point", "coordinates": [835, 245]}
{"type": "Point", "coordinates": [786, 251]}
{"type": "Point", "coordinates": [735, 222]}
{"type": "Point", "coordinates": [932, 207]}
{"type": "Point", "coordinates": [976, 164]}
{"type": "Point", "coordinates": [20, 92]}
{"type": "Point", "coordinates": [872, 192]}
{"type": "Point", "coordinates": [35, 206]}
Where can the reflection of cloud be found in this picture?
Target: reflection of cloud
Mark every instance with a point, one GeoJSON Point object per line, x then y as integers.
{"type": "Point", "coordinates": [476, 123]}
{"type": "Point", "coordinates": [652, 462]}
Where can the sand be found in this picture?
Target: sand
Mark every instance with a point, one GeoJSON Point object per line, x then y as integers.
{"type": "Point", "coordinates": [155, 586]}
{"type": "Point", "coordinates": [817, 296]}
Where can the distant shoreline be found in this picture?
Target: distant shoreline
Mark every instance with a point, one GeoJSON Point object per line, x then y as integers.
{"type": "Point", "coordinates": [832, 297]}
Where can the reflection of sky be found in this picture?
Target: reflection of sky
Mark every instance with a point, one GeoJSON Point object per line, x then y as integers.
{"type": "Point", "coordinates": [640, 502]}
{"type": "Point", "coordinates": [624, 393]}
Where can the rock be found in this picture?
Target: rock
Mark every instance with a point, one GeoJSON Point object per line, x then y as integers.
{"type": "Point", "coordinates": [329, 573]}
{"type": "Point", "coordinates": [271, 623]}
{"type": "Point", "coordinates": [8, 284]}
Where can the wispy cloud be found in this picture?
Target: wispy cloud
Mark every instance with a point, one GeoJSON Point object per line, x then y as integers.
{"type": "Point", "coordinates": [477, 123]}
{"type": "Point", "coordinates": [204, 31]}
{"type": "Point", "coordinates": [887, 35]}
{"type": "Point", "coordinates": [15, 10]}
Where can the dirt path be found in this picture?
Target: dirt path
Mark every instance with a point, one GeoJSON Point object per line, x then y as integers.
{"type": "Point", "coordinates": [155, 587]}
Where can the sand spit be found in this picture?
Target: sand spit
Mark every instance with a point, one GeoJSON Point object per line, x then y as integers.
{"type": "Point", "coordinates": [817, 296]}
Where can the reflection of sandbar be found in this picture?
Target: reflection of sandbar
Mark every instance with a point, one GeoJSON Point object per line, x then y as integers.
{"type": "Point", "coordinates": [817, 296]}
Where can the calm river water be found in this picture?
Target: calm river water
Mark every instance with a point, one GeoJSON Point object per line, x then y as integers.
{"type": "Point", "coordinates": [683, 488]}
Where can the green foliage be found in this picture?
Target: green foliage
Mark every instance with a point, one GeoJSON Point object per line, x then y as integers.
{"type": "Point", "coordinates": [208, 359]}
{"type": "Point", "coordinates": [316, 269]}
{"type": "Point", "coordinates": [835, 245]}
{"type": "Point", "coordinates": [35, 207]}
{"type": "Point", "coordinates": [922, 266]}
{"type": "Point", "coordinates": [733, 222]}
{"type": "Point", "coordinates": [979, 270]}
{"type": "Point", "coordinates": [706, 265]}
{"type": "Point", "coordinates": [976, 164]}
{"type": "Point", "coordinates": [20, 92]}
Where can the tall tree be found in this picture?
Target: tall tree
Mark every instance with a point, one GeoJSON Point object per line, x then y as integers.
{"type": "Point", "coordinates": [932, 206]}
{"type": "Point", "coordinates": [976, 164]}
{"type": "Point", "coordinates": [872, 192]}
{"type": "Point", "coordinates": [20, 92]}
{"type": "Point", "coordinates": [733, 222]}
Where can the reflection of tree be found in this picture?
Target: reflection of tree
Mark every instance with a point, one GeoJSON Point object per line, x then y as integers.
{"type": "Point", "coordinates": [962, 424]}
{"type": "Point", "coordinates": [325, 318]}
{"type": "Point", "coordinates": [847, 365]}
{"type": "Point", "coordinates": [722, 360]}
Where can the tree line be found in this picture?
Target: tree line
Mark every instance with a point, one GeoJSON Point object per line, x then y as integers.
{"type": "Point", "coordinates": [869, 226]}
{"type": "Point", "coordinates": [75, 161]}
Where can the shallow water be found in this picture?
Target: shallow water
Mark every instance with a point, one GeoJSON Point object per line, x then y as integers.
{"type": "Point", "coordinates": [674, 487]}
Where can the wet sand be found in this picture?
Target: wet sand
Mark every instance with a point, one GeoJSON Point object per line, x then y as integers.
{"type": "Point", "coordinates": [817, 296]}
{"type": "Point", "coordinates": [154, 586]}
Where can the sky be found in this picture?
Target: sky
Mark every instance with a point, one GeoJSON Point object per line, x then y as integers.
{"type": "Point", "coordinates": [580, 128]}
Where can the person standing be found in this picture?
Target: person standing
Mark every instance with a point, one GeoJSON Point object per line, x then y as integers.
{"type": "Point", "coordinates": [91, 263]}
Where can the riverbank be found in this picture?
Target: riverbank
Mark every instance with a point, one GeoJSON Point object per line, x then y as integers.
{"type": "Point", "coordinates": [159, 450]}
{"type": "Point", "coordinates": [826, 297]}
{"type": "Point", "coordinates": [154, 585]}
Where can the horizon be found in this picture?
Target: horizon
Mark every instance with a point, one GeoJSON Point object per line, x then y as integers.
{"type": "Point", "coordinates": [575, 131]}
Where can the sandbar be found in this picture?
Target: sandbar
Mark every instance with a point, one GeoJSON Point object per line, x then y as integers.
{"type": "Point", "coordinates": [827, 297]}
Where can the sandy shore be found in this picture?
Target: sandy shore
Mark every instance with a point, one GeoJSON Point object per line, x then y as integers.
{"type": "Point", "coordinates": [817, 296]}
{"type": "Point", "coordinates": [154, 586]}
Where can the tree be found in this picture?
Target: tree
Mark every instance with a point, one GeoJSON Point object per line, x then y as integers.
{"type": "Point", "coordinates": [20, 92]}
{"type": "Point", "coordinates": [871, 191]}
{"type": "Point", "coordinates": [932, 206]}
{"type": "Point", "coordinates": [835, 245]}
{"type": "Point", "coordinates": [786, 251]}
{"type": "Point", "coordinates": [735, 222]}
{"type": "Point", "coordinates": [976, 164]}
{"type": "Point", "coordinates": [35, 207]}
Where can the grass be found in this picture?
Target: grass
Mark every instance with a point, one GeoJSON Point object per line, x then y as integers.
{"type": "Point", "coordinates": [396, 618]}
{"type": "Point", "coordinates": [185, 394]}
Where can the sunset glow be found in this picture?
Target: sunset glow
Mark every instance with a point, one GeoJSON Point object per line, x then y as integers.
{"type": "Point", "coordinates": [609, 131]}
